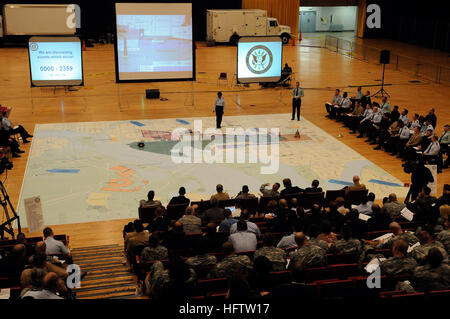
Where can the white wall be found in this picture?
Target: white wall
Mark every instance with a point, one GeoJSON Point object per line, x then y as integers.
{"type": "Point", "coordinates": [341, 15]}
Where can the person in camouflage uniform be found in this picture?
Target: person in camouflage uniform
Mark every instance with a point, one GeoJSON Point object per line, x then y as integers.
{"type": "Point", "coordinates": [435, 275]}
{"type": "Point", "coordinates": [313, 232]}
{"type": "Point", "coordinates": [308, 255]}
{"type": "Point", "coordinates": [202, 260]}
{"type": "Point", "coordinates": [444, 238]}
{"type": "Point", "coordinates": [155, 251]}
{"type": "Point", "coordinates": [420, 253]}
{"type": "Point", "coordinates": [399, 263]}
{"type": "Point", "coordinates": [348, 244]}
{"type": "Point", "coordinates": [396, 229]}
{"type": "Point", "coordinates": [276, 255]}
{"type": "Point", "coordinates": [175, 282]}
{"type": "Point", "coordinates": [232, 264]}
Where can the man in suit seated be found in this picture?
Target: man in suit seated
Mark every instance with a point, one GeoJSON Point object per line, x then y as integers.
{"type": "Point", "coordinates": [357, 186]}
{"type": "Point", "coordinates": [181, 199]}
{"type": "Point", "coordinates": [289, 189]}
{"type": "Point", "coordinates": [314, 187]}
{"type": "Point", "coordinates": [337, 101]}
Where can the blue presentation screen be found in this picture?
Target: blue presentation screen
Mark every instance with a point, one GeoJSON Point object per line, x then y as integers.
{"type": "Point", "coordinates": [55, 61]}
{"type": "Point", "coordinates": [259, 59]}
{"type": "Point", "coordinates": [154, 42]}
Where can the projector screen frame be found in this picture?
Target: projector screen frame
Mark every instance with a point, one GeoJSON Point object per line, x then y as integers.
{"type": "Point", "coordinates": [50, 83]}
{"type": "Point", "coordinates": [257, 39]}
{"type": "Point", "coordinates": [116, 55]}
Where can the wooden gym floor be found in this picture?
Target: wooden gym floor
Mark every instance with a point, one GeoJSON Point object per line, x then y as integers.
{"type": "Point", "coordinates": [319, 70]}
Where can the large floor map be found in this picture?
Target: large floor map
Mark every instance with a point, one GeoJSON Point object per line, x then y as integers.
{"type": "Point", "coordinates": [94, 171]}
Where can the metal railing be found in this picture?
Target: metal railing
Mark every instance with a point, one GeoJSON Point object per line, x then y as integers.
{"type": "Point", "coordinates": [419, 68]}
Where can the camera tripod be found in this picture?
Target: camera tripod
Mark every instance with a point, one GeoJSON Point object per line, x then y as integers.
{"type": "Point", "coordinates": [8, 225]}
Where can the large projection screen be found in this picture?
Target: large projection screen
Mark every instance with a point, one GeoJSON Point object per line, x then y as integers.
{"type": "Point", "coordinates": [55, 61]}
{"type": "Point", "coordinates": [154, 42]}
{"type": "Point", "coordinates": [259, 59]}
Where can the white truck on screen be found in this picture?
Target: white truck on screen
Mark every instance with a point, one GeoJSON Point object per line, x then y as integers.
{"type": "Point", "coordinates": [230, 25]}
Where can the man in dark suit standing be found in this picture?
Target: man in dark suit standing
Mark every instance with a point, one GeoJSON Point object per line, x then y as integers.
{"type": "Point", "coordinates": [297, 94]}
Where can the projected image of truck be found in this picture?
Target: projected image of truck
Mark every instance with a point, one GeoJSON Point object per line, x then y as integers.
{"type": "Point", "coordinates": [154, 46]}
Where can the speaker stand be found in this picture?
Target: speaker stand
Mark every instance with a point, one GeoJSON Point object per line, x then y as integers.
{"type": "Point", "coordinates": [382, 91]}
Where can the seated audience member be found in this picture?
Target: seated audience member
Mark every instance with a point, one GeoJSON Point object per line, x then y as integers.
{"type": "Point", "coordinates": [150, 202]}
{"type": "Point", "coordinates": [174, 238]}
{"type": "Point", "coordinates": [273, 192]}
{"type": "Point", "coordinates": [352, 119]}
{"type": "Point", "coordinates": [54, 246]}
{"type": "Point", "coordinates": [373, 125]}
{"type": "Point", "coordinates": [289, 189]}
{"type": "Point", "coordinates": [154, 250]}
{"type": "Point", "coordinates": [213, 239]}
{"type": "Point", "coordinates": [176, 283]}
{"type": "Point", "coordinates": [44, 285]}
{"type": "Point", "coordinates": [380, 220]}
{"type": "Point", "coordinates": [403, 138]}
{"type": "Point", "coordinates": [14, 263]}
{"type": "Point", "coordinates": [313, 233]}
{"type": "Point", "coordinates": [426, 126]}
{"type": "Point", "coordinates": [434, 275]}
{"type": "Point", "coordinates": [359, 94]}
{"type": "Point", "coordinates": [385, 105]}
{"type": "Point", "coordinates": [297, 287]}
{"type": "Point", "coordinates": [202, 260]}
{"type": "Point", "coordinates": [404, 117]}
{"type": "Point", "coordinates": [393, 207]}
{"type": "Point", "coordinates": [7, 141]}
{"type": "Point", "coordinates": [337, 101]}
{"type": "Point", "coordinates": [365, 121]}
{"type": "Point", "coordinates": [308, 255]}
{"type": "Point", "coordinates": [276, 255]}
{"type": "Point", "coordinates": [232, 264]}
{"type": "Point", "coordinates": [191, 223]}
{"type": "Point", "coordinates": [288, 240]}
{"type": "Point", "coordinates": [398, 233]}
{"type": "Point", "coordinates": [431, 117]}
{"type": "Point", "coordinates": [358, 226]}
{"type": "Point", "coordinates": [427, 242]}
{"type": "Point", "coordinates": [137, 238]}
{"type": "Point", "coordinates": [180, 199]}
{"type": "Point", "coordinates": [220, 195]}
{"type": "Point", "coordinates": [432, 151]}
{"type": "Point", "coordinates": [399, 263]}
{"type": "Point", "coordinates": [345, 107]}
{"type": "Point", "coordinates": [236, 212]}
{"type": "Point", "coordinates": [10, 128]}
{"type": "Point", "coordinates": [251, 227]}
{"type": "Point", "coordinates": [241, 239]}
{"type": "Point", "coordinates": [411, 153]}
{"type": "Point", "coordinates": [347, 244]}
{"type": "Point", "coordinates": [415, 122]}
{"type": "Point", "coordinates": [414, 141]}
{"type": "Point", "coordinates": [314, 187]}
{"type": "Point", "coordinates": [379, 133]}
{"type": "Point", "coordinates": [225, 225]}
{"type": "Point", "coordinates": [159, 223]}
{"type": "Point", "coordinates": [371, 198]}
{"type": "Point", "coordinates": [325, 232]}
{"type": "Point", "coordinates": [392, 135]}
{"type": "Point", "coordinates": [239, 289]}
{"type": "Point", "coordinates": [340, 205]}
{"type": "Point", "coordinates": [215, 213]}
{"type": "Point", "coordinates": [260, 280]}
{"type": "Point", "coordinates": [444, 142]}
{"type": "Point", "coordinates": [365, 207]}
{"type": "Point", "coordinates": [357, 186]}
{"type": "Point", "coordinates": [244, 193]}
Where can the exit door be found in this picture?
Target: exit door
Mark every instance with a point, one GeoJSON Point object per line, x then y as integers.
{"type": "Point", "coordinates": [307, 21]}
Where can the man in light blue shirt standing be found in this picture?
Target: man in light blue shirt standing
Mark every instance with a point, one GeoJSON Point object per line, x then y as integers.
{"type": "Point", "coordinates": [297, 94]}
{"type": "Point", "coordinates": [219, 108]}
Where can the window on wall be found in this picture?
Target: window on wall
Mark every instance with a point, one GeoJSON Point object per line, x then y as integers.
{"type": "Point", "coordinates": [328, 19]}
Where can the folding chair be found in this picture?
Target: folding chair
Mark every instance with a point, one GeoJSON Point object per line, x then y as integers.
{"type": "Point", "coordinates": [146, 214]}
{"type": "Point", "coordinates": [222, 77]}
{"type": "Point", "coordinates": [308, 200]}
{"type": "Point", "coordinates": [354, 197]}
{"type": "Point", "coordinates": [331, 196]}
{"type": "Point", "coordinates": [175, 211]}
